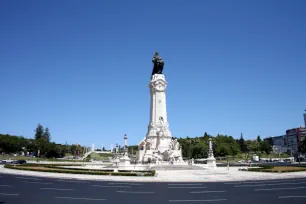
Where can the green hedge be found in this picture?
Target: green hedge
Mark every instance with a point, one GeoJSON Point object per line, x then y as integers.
{"type": "Point", "coordinates": [78, 171]}
{"type": "Point", "coordinates": [266, 167]}
{"type": "Point", "coordinates": [38, 164]}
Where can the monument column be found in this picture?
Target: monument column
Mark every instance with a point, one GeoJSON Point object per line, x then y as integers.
{"type": "Point", "coordinates": [211, 161]}
{"type": "Point", "coordinates": [158, 143]}
{"type": "Point", "coordinates": [158, 130]}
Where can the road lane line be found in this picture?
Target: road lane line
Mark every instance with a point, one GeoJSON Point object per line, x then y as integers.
{"type": "Point", "coordinates": [275, 189]}
{"type": "Point", "coordinates": [110, 186]}
{"type": "Point", "coordinates": [35, 182]}
{"type": "Point", "coordinates": [57, 189]}
{"type": "Point", "coordinates": [5, 186]}
{"type": "Point", "coordinates": [272, 181]}
{"type": "Point", "coordinates": [270, 184]}
{"type": "Point", "coordinates": [213, 200]}
{"type": "Point", "coordinates": [187, 187]}
{"type": "Point", "coordinates": [67, 181]}
{"type": "Point", "coordinates": [29, 178]}
{"type": "Point", "coordinates": [208, 192]}
{"type": "Point", "coordinates": [131, 184]}
{"type": "Point", "coordinates": [73, 198]}
{"type": "Point", "coordinates": [182, 184]}
{"type": "Point", "coordinates": [292, 197]}
{"type": "Point", "coordinates": [135, 192]}
{"type": "Point", "coordinates": [9, 194]}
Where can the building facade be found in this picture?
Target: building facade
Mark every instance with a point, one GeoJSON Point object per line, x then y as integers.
{"type": "Point", "coordinates": [277, 143]}
{"type": "Point", "coordinates": [294, 137]}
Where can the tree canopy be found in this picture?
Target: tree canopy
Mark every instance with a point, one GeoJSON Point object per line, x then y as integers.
{"type": "Point", "coordinates": [41, 142]}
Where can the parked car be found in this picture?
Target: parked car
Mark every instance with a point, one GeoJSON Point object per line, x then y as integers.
{"type": "Point", "coordinates": [19, 162]}
{"type": "Point", "coordinates": [2, 162]}
{"type": "Point", "coordinates": [8, 161]}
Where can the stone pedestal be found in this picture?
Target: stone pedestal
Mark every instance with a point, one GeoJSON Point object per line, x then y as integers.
{"type": "Point", "coordinates": [125, 160]}
{"type": "Point", "coordinates": [116, 162]}
{"type": "Point", "coordinates": [211, 163]}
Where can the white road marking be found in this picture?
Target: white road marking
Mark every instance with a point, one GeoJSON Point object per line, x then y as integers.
{"type": "Point", "coordinates": [208, 192]}
{"type": "Point", "coordinates": [270, 184]}
{"type": "Point", "coordinates": [29, 178]}
{"type": "Point", "coordinates": [275, 189]}
{"type": "Point", "coordinates": [292, 197]}
{"type": "Point", "coordinates": [131, 184]}
{"type": "Point", "coordinates": [57, 189]}
{"type": "Point", "coordinates": [110, 186]}
{"type": "Point", "coordinates": [68, 181]}
{"type": "Point", "coordinates": [135, 192]}
{"type": "Point", "coordinates": [213, 200]}
{"type": "Point", "coordinates": [272, 181]}
{"type": "Point", "coordinates": [185, 184]}
{"type": "Point", "coordinates": [35, 182]}
{"type": "Point", "coordinates": [73, 198]}
{"type": "Point", "coordinates": [9, 194]}
{"type": "Point", "coordinates": [187, 187]}
{"type": "Point", "coordinates": [5, 186]}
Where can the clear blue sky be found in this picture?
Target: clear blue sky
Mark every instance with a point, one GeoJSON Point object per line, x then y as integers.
{"type": "Point", "coordinates": [82, 68]}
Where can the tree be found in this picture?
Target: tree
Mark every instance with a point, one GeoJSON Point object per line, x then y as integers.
{"type": "Point", "coordinates": [258, 139]}
{"type": "Point", "coordinates": [39, 132]}
{"type": "Point", "coordinates": [225, 145]}
{"type": "Point", "coordinates": [47, 135]}
{"type": "Point", "coordinates": [223, 150]}
{"type": "Point", "coordinates": [242, 144]}
{"type": "Point", "coordinates": [265, 147]}
{"type": "Point", "coordinates": [254, 146]}
{"type": "Point", "coordinates": [303, 146]}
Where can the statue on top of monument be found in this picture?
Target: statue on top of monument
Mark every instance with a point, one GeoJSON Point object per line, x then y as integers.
{"type": "Point", "coordinates": [158, 64]}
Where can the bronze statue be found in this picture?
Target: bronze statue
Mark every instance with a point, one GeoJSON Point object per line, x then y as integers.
{"type": "Point", "coordinates": [158, 64]}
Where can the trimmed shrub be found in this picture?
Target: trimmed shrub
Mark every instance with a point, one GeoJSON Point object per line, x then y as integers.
{"type": "Point", "coordinates": [54, 169]}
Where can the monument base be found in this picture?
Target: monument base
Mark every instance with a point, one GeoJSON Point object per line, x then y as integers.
{"type": "Point", "coordinates": [211, 162]}
{"type": "Point", "coordinates": [125, 160]}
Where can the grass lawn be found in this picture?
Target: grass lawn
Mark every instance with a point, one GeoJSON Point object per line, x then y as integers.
{"type": "Point", "coordinates": [100, 157]}
{"type": "Point", "coordinates": [288, 168]}
{"type": "Point", "coordinates": [278, 169]}
{"type": "Point", "coordinates": [12, 157]}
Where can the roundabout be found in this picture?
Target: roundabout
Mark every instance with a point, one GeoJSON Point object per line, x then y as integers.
{"type": "Point", "coordinates": [163, 174]}
{"type": "Point", "coordinates": [25, 187]}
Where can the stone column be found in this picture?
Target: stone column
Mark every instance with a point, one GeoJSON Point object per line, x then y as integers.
{"type": "Point", "coordinates": [211, 161]}
{"type": "Point", "coordinates": [210, 150]}
{"type": "Point", "coordinates": [158, 129]}
{"type": "Point", "coordinates": [125, 160]}
{"type": "Point", "coordinates": [125, 141]}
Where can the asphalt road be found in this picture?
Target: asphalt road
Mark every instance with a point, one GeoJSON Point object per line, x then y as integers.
{"type": "Point", "coordinates": [37, 190]}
